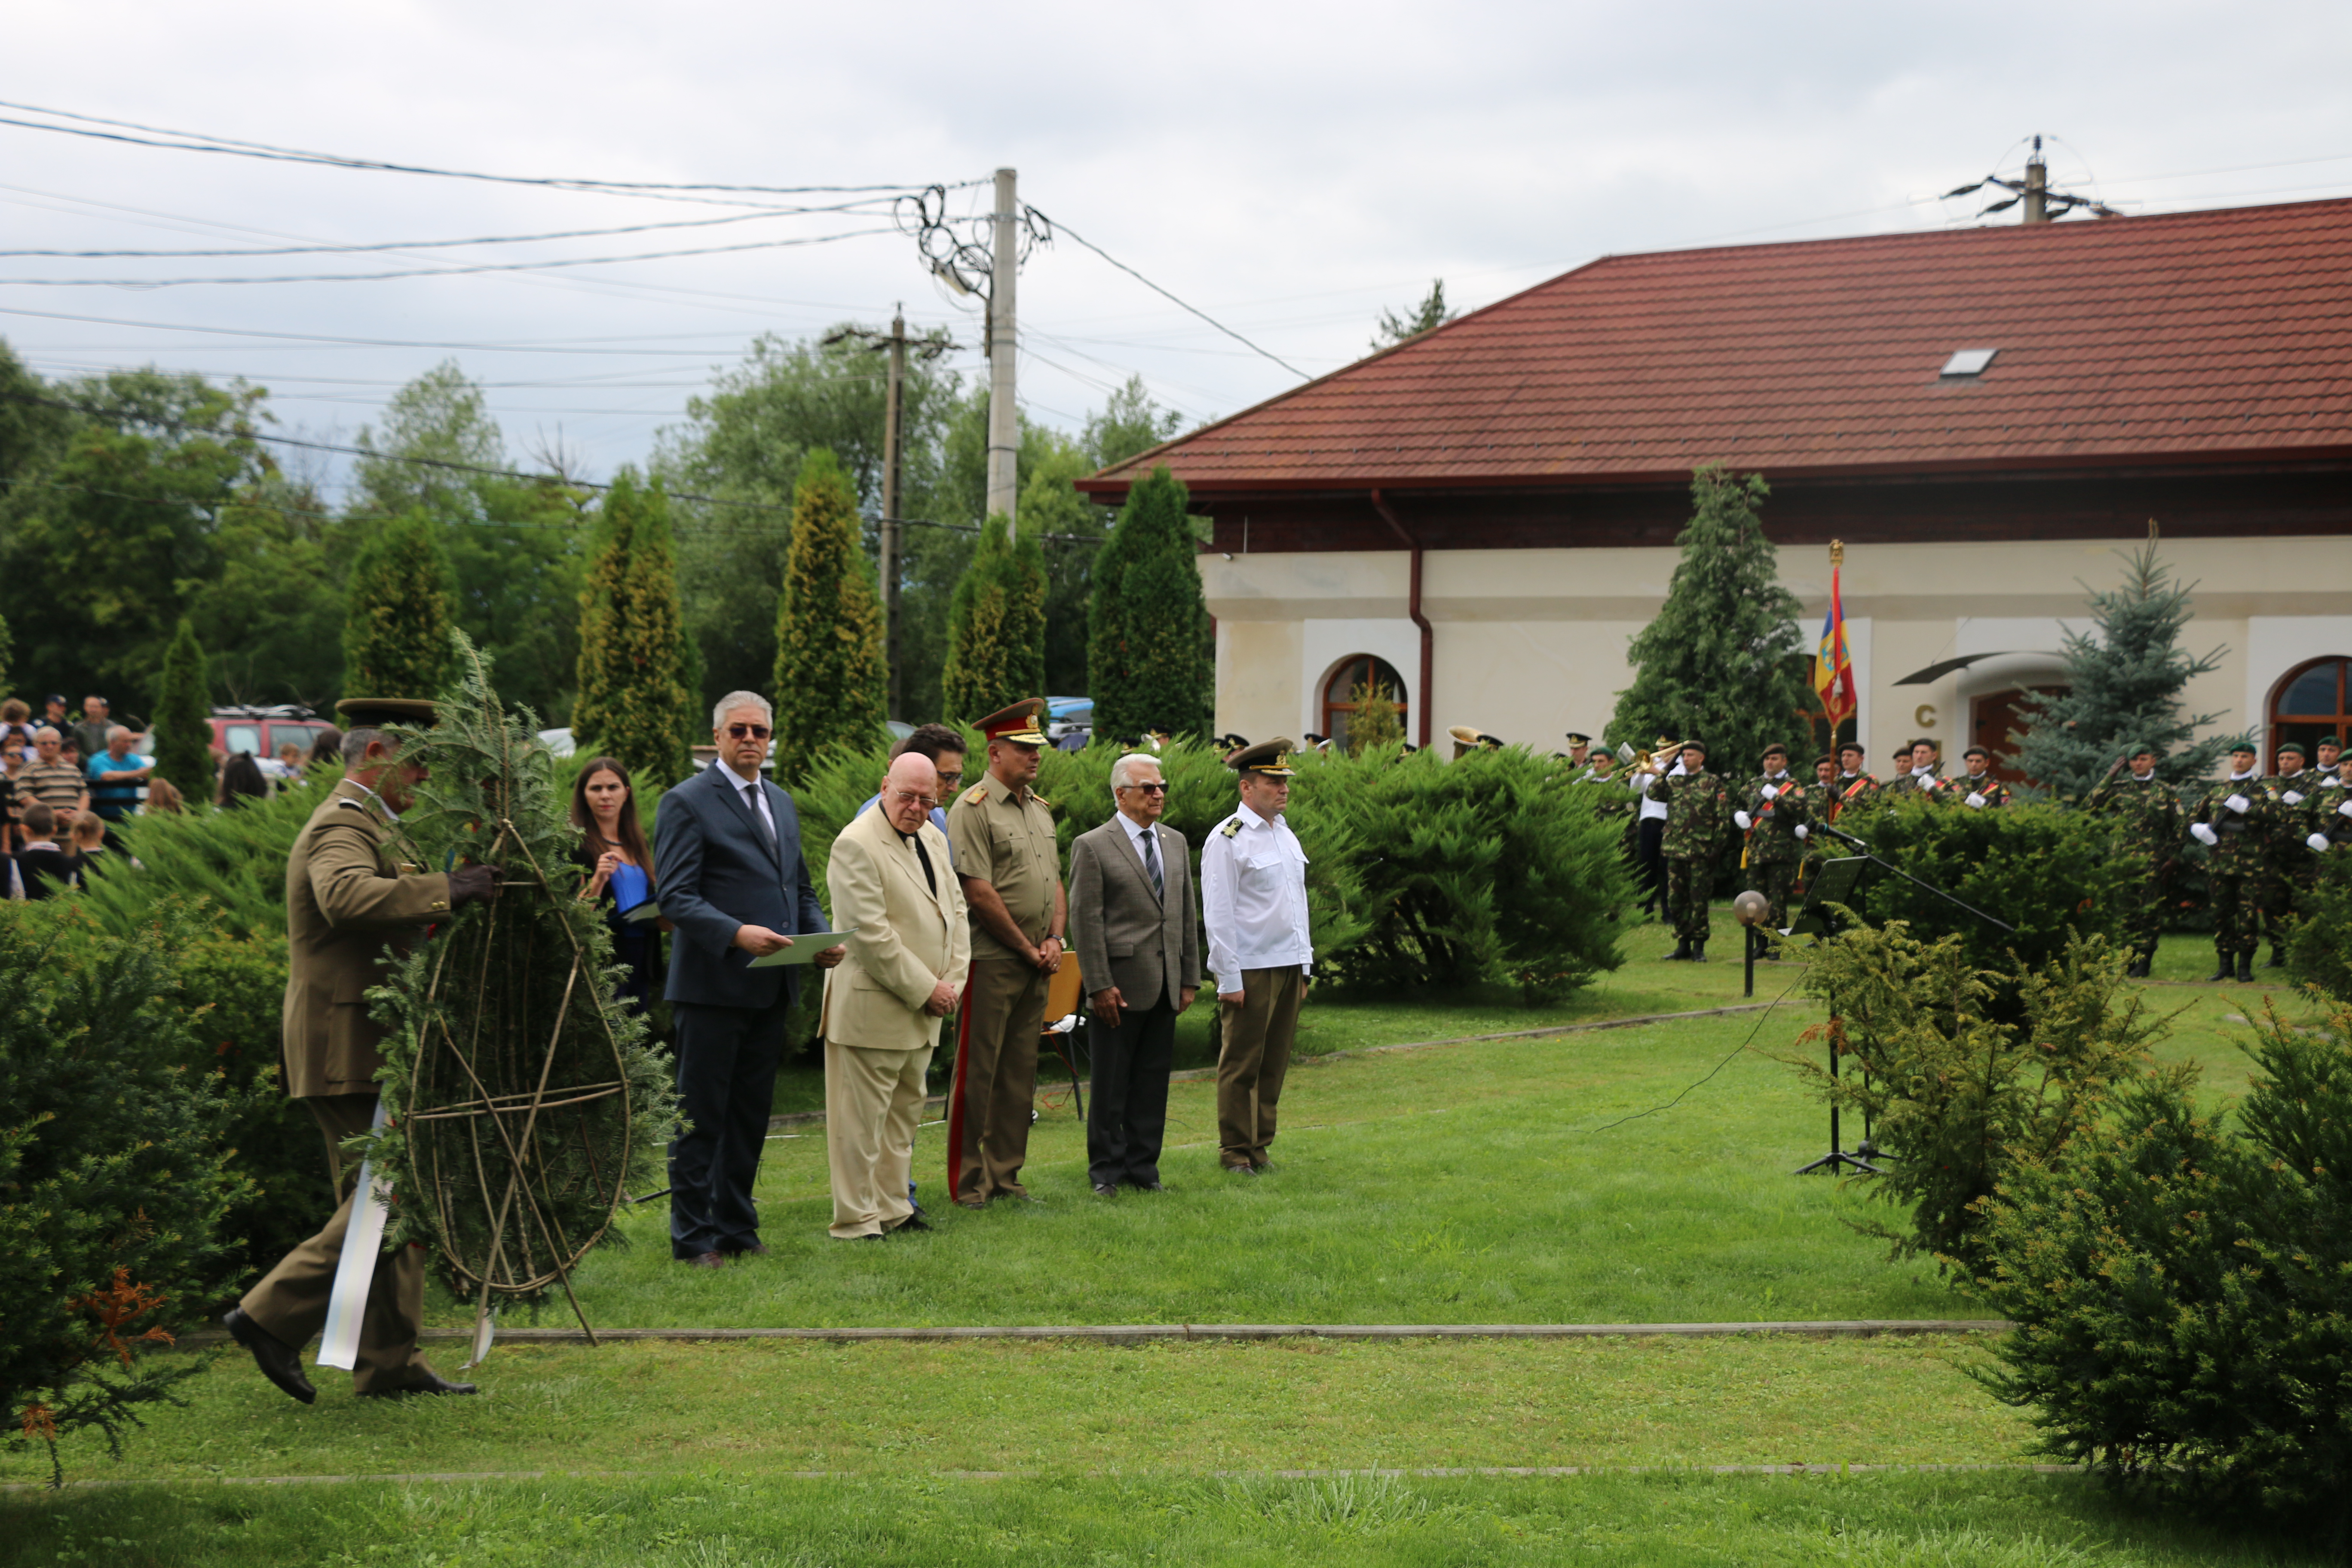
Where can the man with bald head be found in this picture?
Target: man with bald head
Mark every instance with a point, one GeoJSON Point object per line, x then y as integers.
{"type": "Point", "coordinates": [909, 951]}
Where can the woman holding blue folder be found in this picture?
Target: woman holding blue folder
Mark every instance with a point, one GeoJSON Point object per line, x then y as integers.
{"type": "Point", "coordinates": [620, 873]}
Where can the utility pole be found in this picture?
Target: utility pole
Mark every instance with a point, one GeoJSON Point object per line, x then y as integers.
{"type": "Point", "coordinates": [1003, 419]}
{"type": "Point", "coordinates": [893, 421]}
{"type": "Point", "coordinates": [2037, 186]}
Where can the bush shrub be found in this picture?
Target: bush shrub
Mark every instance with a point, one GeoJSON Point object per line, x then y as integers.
{"type": "Point", "coordinates": [2181, 1285]}
{"type": "Point", "coordinates": [1960, 1098]}
{"type": "Point", "coordinates": [2320, 951]}
{"type": "Point", "coordinates": [117, 1172]}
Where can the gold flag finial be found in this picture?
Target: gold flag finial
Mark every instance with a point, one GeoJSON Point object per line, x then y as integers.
{"type": "Point", "coordinates": [1837, 552]}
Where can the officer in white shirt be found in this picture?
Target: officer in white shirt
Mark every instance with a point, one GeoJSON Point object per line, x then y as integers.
{"type": "Point", "coordinates": [1254, 901]}
{"type": "Point", "coordinates": [1650, 848]}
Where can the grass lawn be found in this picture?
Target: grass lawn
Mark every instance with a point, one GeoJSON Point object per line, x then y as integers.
{"type": "Point", "coordinates": [1473, 1183]}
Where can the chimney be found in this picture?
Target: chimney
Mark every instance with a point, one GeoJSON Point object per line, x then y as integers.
{"type": "Point", "coordinates": [2037, 186]}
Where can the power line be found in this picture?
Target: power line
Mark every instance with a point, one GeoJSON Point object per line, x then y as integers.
{"type": "Point", "coordinates": [447, 244]}
{"type": "Point", "coordinates": [442, 271]}
{"type": "Point", "coordinates": [198, 141]}
{"type": "Point", "coordinates": [335, 341]}
{"type": "Point", "coordinates": [1156, 288]}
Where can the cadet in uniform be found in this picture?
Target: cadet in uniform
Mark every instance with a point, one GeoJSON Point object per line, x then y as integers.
{"type": "Point", "coordinates": [2294, 870]}
{"type": "Point", "coordinates": [1254, 902]}
{"type": "Point", "coordinates": [2148, 833]}
{"type": "Point", "coordinates": [1698, 809]}
{"type": "Point", "coordinates": [1977, 788]}
{"type": "Point", "coordinates": [1852, 787]}
{"type": "Point", "coordinates": [1001, 838]}
{"type": "Point", "coordinates": [347, 902]}
{"type": "Point", "coordinates": [1777, 818]}
{"type": "Point", "coordinates": [2237, 819]}
{"type": "Point", "coordinates": [1922, 777]}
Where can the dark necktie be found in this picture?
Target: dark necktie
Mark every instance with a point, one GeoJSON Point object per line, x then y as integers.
{"type": "Point", "coordinates": [751, 803]}
{"type": "Point", "coordinates": [1152, 863]}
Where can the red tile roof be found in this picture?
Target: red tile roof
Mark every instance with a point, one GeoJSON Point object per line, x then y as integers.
{"type": "Point", "coordinates": [2209, 336]}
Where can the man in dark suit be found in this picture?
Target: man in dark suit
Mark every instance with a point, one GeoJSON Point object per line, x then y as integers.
{"type": "Point", "coordinates": [1138, 948]}
{"type": "Point", "coordinates": [727, 859]}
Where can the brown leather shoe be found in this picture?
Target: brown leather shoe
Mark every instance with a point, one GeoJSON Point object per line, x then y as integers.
{"type": "Point", "coordinates": [706, 1260]}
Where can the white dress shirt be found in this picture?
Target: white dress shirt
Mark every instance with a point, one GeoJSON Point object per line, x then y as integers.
{"type": "Point", "coordinates": [1136, 832]}
{"type": "Point", "coordinates": [1655, 810]}
{"type": "Point", "coordinates": [1253, 899]}
{"type": "Point", "coordinates": [752, 795]}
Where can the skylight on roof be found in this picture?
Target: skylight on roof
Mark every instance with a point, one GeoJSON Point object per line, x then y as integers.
{"type": "Point", "coordinates": [1968, 361]}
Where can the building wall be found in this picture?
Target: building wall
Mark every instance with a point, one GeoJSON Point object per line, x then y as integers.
{"type": "Point", "coordinates": [1531, 643]}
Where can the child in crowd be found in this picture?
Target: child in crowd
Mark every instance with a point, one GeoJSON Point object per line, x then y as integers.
{"type": "Point", "coordinates": [40, 868]}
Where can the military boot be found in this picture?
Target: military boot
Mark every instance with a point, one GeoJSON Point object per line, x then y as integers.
{"type": "Point", "coordinates": [2278, 958]}
{"type": "Point", "coordinates": [2135, 970]}
{"type": "Point", "coordinates": [2221, 956]}
{"type": "Point", "coordinates": [1682, 950]}
{"type": "Point", "coordinates": [1698, 952]}
{"type": "Point", "coordinates": [2246, 967]}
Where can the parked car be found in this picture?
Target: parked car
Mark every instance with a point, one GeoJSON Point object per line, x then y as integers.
{"type": "Point", "coordinates": [259, 731]}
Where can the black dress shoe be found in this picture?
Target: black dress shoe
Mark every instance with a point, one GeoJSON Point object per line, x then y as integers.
{"type": "Point", "coordinates": [278, 1363]}
{"type": "Point", "coordinates": [912, 1221]}
{"type": "Point", "coordinates": [431, 1383]}
{"type": "Point", "coordinates": [706, 1260]}
{"type": "Point", "coordinates": [1149, 1187]}
{"type": "Point", "coordinates": [749, 1249]}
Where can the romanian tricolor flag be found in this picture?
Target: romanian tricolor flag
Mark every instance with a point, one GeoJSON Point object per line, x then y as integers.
{"type": "Point", "coordinates": [1832, 667]}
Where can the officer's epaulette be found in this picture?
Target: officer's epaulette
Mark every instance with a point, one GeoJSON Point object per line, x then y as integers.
{"type": "Point", "coordinates": [975, 795]}
{"type": "Point", "coordinates": [1232, 827]}
{"type": "Point", "coordinates": [1040, 800]}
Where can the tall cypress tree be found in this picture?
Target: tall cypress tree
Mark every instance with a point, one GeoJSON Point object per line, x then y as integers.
{"type": "Point", "coordinates": [182, 721]}
{"type": "Point", "coordinates": [633, 703]}
{"type": "Point", "coordinates": [1149, 658]}
{"type": "Point", "coordinates": [832, 683]}
{"type": "Point", "coordinates": [1719, 662]}
{"type": "Point", "coordinates": [2124, 685]}
{"type": "Point", "coordinates": [996, 625]}
{"type": "Point", "coordinates": [397, 619]}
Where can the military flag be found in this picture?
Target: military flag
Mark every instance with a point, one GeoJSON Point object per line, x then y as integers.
{"type": "Point", "coordinates": [1832, 666]}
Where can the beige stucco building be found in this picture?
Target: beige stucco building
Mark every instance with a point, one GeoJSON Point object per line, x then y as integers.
{"type": "Point", "coordinates": [1489, 511]}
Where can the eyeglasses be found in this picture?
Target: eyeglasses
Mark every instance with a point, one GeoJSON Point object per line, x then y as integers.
{"type": "Point", "coordinates": [1148, 788]}
{"type": "Point", "coordinates": [756, 732]}
{"type": "Point", "coordinates": [949, 780]}
{"type": "Point", "coordinates": [900, 797]}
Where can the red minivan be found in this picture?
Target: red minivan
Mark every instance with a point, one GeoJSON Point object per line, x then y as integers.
{"type": "Point", "coordinates": [261, 730]}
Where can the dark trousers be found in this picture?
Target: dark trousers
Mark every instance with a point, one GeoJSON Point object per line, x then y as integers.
{"type": "Point", "coordinates": [1127, 1120]}
{"type": "Point", "coordinates": [1652, 858]}
{"type": "Point", "coordinates": [727, 1059]}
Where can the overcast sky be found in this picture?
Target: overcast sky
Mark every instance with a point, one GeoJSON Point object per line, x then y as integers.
{"type": "Point", "coordinates": [1289, 168]}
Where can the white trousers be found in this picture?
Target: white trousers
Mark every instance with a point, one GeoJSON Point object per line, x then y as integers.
{"type": "Point", "coordinates": [872, 1101]}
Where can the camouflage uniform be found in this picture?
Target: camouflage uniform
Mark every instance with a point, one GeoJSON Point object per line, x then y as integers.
{"type": "Point", "coordinates": [2148, 835]}
{"type": "Point", "coordinates": [2237, 864]}
{"type": "Point", "coordinates": [1774, 850]}
{"type": "Point", "coordinates": [1699, 810]}
{"type": "Point", "coordinates": [1855, 792]}
{"type": "Point", "coordinates": [1995, 793]}
{"type": "Point", "coordinates": [2293, 869]}
{"type": "Point", "coordinates": [1903, 784]}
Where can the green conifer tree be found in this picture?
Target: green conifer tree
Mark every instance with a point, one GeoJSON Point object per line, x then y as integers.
{"type": "Point", "coordinates": [1375, 722]}
{"type": "Point", "coordinates": [183, 719]}
{"type": "Point", "coordinates": [996, 625]}
{"type": "Point", "coordinates": [396, 616]}
{"type": "Point", "coordinates": [1149, 657]}
{"type": "Point", "coordinates": [832, 681]}
{"type": "Point", "coordinates": [2124, 685]}
{"type": "Point", "coordinates": [1720, 660]}
{"type": "Point", "coordinates": [633, 703]}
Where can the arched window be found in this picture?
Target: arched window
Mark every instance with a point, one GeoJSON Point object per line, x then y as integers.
{"type": "Point", "coordinates": [2312, 702]}
{"type": "Point", "coordinates": [1357, 670]}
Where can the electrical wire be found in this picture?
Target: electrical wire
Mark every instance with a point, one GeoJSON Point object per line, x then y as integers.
{"type": "Point", "coordinates": [332, 339]}
{"type": "Point", "coordinates": [1148, 283]}
{"type": "Point", "coordinates": [447, 244]}
{"type": "Point", "coordinates": [1719, 1066]}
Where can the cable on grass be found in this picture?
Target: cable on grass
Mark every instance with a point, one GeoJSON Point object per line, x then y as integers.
{"type": "Point", "coordinates": [1719, 1066]}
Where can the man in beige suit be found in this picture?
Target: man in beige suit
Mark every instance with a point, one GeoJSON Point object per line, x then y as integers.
{"type": "Point", "coordinates": [909, 951]}
{"type": "Point", "coordinates": [1139, 947]}
{"type": "Point", "coordinates": [347, 902]}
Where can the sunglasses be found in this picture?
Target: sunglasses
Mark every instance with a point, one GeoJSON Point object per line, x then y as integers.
{"type": "Point", "coordinates": [1148, 789]}
{"type": "Point", "coordinates": [756, 732]}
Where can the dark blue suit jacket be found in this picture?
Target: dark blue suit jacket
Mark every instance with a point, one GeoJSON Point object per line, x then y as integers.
{"type": "Point", "coordinates": [714, 870]}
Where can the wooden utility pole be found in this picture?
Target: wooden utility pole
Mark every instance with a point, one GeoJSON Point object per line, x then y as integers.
{"type": "Point", "coordinates": [1004, 348]}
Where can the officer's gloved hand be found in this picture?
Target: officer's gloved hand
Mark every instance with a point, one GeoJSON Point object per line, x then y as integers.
{"type": "Point", "coordinates": [2319, 842]}
{"type": "Point", "coordinates": [1744, 820]}
{"type": "Point", "coordinates": [1804, 831]}
{"type": "Point", "coordinates": [2344, 810]}
{"type": "Point", "coordinates": [2204, 833]}
{"type": "Point", "coordinates": [472, 885]}
{"type": "Point", "coordinates": [2293, 797]}
{"type": "Point", "coordinates": [1975, 799]}
{"type": "Point", "coordinates": [2238, 804]}
{"type": "Point", "coordinates": [1770, 790]}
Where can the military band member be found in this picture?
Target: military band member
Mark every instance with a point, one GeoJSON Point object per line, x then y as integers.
{"type": "Point", "coordinates": [2294, 871]}
{"type": "Point", "coordinates": [1977, 788]}
{"type": "Point", "coordinates": [1253, 903]}
{"type": "Point", "coordinates": [2147, 835]}
{"type": "Point", "coordinates": [349, 902]}
{"type": "Point", "coordinates": [1001, 838]}
{"type": "Point", "coordinates": [1777, 818]}
{"type": "Point", "coordinates": [1650, 827]}
{"type": "Point", "coordinates": [1698, 808]}
{"type": "Point", "coordinates": [2237, 819]}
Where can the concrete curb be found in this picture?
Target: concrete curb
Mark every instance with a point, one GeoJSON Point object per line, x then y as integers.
{"type": "Point", "coordinates": [1119, 1333]}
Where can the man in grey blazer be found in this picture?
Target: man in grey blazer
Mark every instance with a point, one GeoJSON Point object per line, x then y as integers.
{"type": "Point", "coordinates": [731, 878]}
{"type": "Point", "coordinates": [1139, 946]}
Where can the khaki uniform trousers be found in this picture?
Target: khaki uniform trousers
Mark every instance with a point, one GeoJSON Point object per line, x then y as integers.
{"type": "Point", "coordinates": [290, 1302]}
{"type": "Point", "coordinates": [995, 1081]}
{"type": "Point", "coordinates": [1254, 1059]}
{"type": "Point", "coordinates": [872, 1102]}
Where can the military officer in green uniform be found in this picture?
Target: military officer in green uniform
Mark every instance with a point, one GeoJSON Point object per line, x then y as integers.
{"type": "Point", "coordinates": [2293, 869]}
{"type": "Point", "coordinates": [1922, 778]}
{"type": "Point", "coordinates": [348, 903]}
{"type": "Point", "coordinates": [2148, 835]}
{"type": "Point", "coordinates": [1002, 836]}
{"type": "Point", "coordinates": [1699, 810]}
{"type": "Point", "coordinates": [2237, 819]}
{"type": "Point", "coordinates": [1776, 817]}
{"type": "Point", "coordinates": [1852, 789]}
{"type": "Point", "coordinates": [1977, 789]}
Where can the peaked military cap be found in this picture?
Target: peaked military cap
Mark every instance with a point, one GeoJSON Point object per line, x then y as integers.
{"type": "Point", "coordinates": [376, 712]}
{"type": "Point", "coordinates": [1017, 723]}
{"type": "Point", "coordinates": [1470, 735]}
{"type": "Point", "coordinates": [1270, 759]}
{"type": "Point", "coordinates": [1574, 739]}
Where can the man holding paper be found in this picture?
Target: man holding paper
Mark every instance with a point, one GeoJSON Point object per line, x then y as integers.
{"type": "Point", "coordinates": [727, 859]}
{"type": "Point", "coordinates": [909, 951]}
{"type": "Point", "coordinates": [347, 902]}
